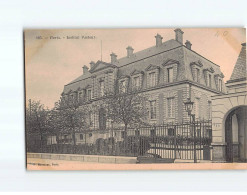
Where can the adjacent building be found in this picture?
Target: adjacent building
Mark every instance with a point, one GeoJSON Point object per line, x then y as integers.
{"type": "Point", "coordinates": [229, 116]}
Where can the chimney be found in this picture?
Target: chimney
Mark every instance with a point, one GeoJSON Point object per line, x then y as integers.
{"type": "Point", "coordinates": [92, 63]}
{"type": "Point", "coordinates": [113, 58]}
{"type": "Point", "coordinates": [158, 40]}
{"type": "Point", "coordinates": [188, 44]}
{"type": "Point", "coordinates": [179, 35]}
{"type": "Point", "coordinates": [129, 51]}
{"type": "Point", "coordinates": [85, 70]}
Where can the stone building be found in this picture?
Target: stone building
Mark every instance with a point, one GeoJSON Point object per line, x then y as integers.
{"type": "Point", "coordinates": [229, 116]}
{"type": "Point", "coordinates": [167, 73]}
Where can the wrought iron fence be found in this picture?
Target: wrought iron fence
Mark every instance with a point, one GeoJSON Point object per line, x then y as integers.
{"type": "Point", "coordinates": [172, 141]}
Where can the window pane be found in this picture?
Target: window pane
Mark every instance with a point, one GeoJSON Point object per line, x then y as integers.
{"type": "Point", "coordinates": [197, 108]}
{"type": "Point", "coordinates": [197, 75]}
{"type": "Point", "coordinates": [209, 110]}
{"type": "Point", "coordinates": [101, 85]}
{"type": "Point", "coordinates": [152, 79]}
{"type": "Point", "coordinates": [153, 109]}
{"type": "Point", "coordinates": [170, 75]}
{"type": "Point", "coordinates": [170, 107]}
{"type": "Point", "coordinates": [89, 94]}
{"type": "Point", "coordinates": [136, 82]}
{"type": "Point", "coordinates": [122, 86]}
{"type": "Point", "coordinates": [209, 81]}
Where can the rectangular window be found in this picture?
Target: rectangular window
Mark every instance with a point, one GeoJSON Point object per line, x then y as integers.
{"type": "Point", "coordinates": [197, 108]}
{"type": "Point", "coordinates": [197, 75]}
{"type": "Point", "coordinates": [89, 94]}
{"type": "Point", "coordinates": [80, 96]}
{"type": "Point", "coordinates": [170, 75]}
{"type": "Point", "coordinates": [101, 88]}
{"type": "Point", "coordinates": [170, 108]}
{"type": "Point", "coordinates": [136, 82]}
{"type": "Point", "coordinates": [122, 86]}
{"type": "Point", "coordinates": [209, 80]}
{"type": "Point", "coordinates": [153, 109]}
{"type": "Point", "coordinates": [152, 79]}
{"type": "Point", "coordinates": [220, 85]}
{"type": "Point", "coordinates": [81, 136]}
{"type": "Point", "coordinates": [209, 110]}
{"type": "Point", "coordinates": [91, 117]}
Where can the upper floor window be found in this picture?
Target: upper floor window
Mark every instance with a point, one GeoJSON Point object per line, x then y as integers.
{"type": "Point", "coordinates": [136, 82]}
{"type": "Point", "coordinates": [91, 119]}
{"type": "Point", "coordinates": [209, 110]}
{"type": "Point", "coordinates": [170, 75]}
{"type": "Point", "coordinates": [122, 86]}
{"type": "Point", "coordinates": [89, 94]}
{"type": "Point", "coordinates": [197, 108]}
{"type": "Point", "coordinates": [220, 84]}
{"type": "Point", "coordinates": [197, 75]}
{"type": "Point", "coordinates": [81, 136]}
{"type": "Point", "coordinates": [101, 88]}
{"type": "Point", "coordinates": [153, 109]}
{"type": "Point", "coordinates": [152, 79]}
{"type": "Point", "coordinates": [209, 80]}
{"type": "Point", "coordinates": [170, 108]}
{"type": "Point", "coordinates": [80, 96]}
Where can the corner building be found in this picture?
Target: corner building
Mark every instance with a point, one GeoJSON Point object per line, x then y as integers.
{"type": "Point", "coordinates": [167, 73]}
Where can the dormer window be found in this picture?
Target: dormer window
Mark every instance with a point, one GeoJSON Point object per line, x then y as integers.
{"type": "Point", "coordinates": [208, 76]}
{"type": "Point", "coordinates": [122, 86]}
{"type": "Point", "coordinates": [218, 78]}
{"type": "Point", "coordinates": [220, 84]}
{"type": "Point", "coordinates": [136, 79]}
{"type": "Point", "coordinates": [170, 70]}
{"type": "Point", "coordinates": [197, 74]}
{"type": "Point", "coordinates": [136, 82]}
{"type": "Point", "coordinates": [209, 80]}
{"type": "Point", "coordinates": [80, 96]}
{"type": "Point", "coordinates": [101, 88]}
{"type": "Point", "coordinates": [196, 70]}
{"type": "Point", "coordinates": [152, 75]}
{"type": "Point", "coordinates": [152, 79]}
{"type": "Point", "coordinates": [170, 75]}
{"type": "Point", "coordinates": [89, 94]}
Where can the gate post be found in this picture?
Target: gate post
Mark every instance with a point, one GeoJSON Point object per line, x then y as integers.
{"type": "Point", "coordinates": [175, 142]}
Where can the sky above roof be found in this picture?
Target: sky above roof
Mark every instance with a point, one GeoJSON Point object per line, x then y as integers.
{"type": "Point", "coordinates": [52, 63]}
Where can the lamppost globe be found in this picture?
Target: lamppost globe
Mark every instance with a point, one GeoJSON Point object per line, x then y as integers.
{"type": "Point", "coordinates": [189, 106]}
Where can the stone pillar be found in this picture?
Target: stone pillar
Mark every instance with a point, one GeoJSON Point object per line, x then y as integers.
{"type": "Point", "coordinates": [235, 151]}
{"type": "Point", "coordinates": [219, 152]}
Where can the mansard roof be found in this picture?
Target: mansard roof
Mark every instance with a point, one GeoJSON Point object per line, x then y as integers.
{"type": "Point", "coordinates": [170, 52]}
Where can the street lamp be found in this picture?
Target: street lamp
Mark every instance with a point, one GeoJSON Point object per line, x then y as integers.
{"type": "Point", "coordinates": [189, 107]}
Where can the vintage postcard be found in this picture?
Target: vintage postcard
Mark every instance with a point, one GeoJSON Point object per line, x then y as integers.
{"type": "Point", "coordinates": [135, 99]}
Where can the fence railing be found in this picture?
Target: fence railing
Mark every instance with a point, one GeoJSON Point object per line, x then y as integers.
{"type": "Point", "coordinates": [173, 141]}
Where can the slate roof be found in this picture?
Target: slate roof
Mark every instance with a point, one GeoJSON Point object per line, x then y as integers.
{"type": "Point", "coordinates": [239, 71]}
{"type": "Point", "coordinates": [169, 51]}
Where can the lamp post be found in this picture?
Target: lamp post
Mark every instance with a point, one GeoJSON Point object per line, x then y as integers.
{"type": "Point", "coordinates": [189, 108]}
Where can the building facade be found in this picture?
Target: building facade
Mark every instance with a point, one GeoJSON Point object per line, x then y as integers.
{"type": "Point", "coordinates": [167, 74]}
{"type": "Point", "coordinates": [229, 116]}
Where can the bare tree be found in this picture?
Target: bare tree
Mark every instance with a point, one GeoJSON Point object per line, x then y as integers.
{"type": "Point", "coordinates": [70, 117]}
{"type": "Point", "coordinates": [36, 121]}
{"type": "Point", "coordinates": [128, 108]}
